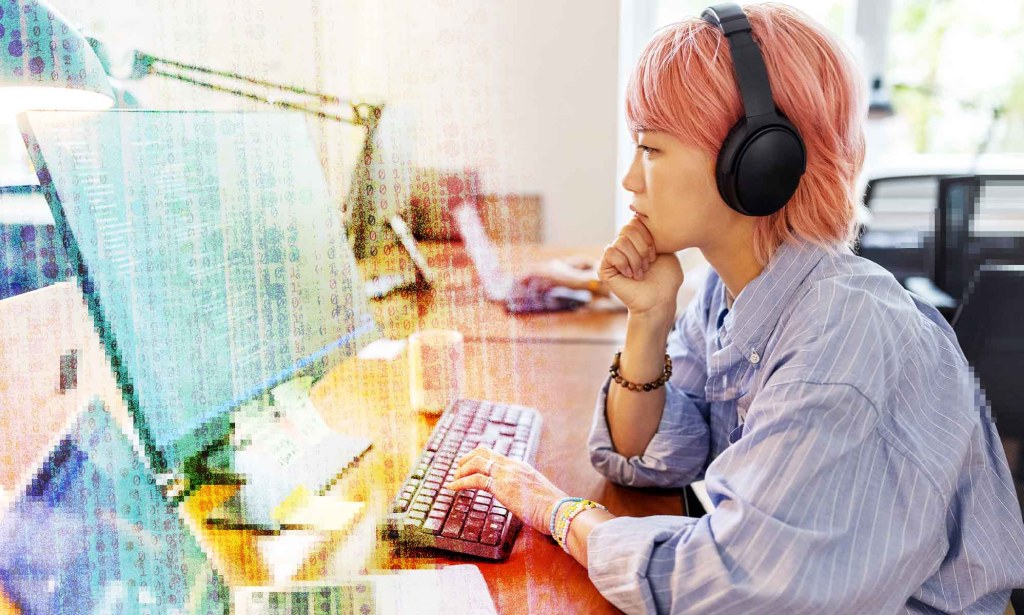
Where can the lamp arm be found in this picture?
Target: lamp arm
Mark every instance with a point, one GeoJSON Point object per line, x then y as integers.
{"type": "Point", "coordinates": [363, 113]}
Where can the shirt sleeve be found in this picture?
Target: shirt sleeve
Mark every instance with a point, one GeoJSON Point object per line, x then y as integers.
{"type": "Point", "coordinates": [678, 453]}
{"type": "Point", "coordinates": [815, 512]}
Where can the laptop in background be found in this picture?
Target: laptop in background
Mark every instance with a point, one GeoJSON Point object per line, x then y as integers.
{"type": "Point", "coordinates": [518, 296]}
{"type": "Point", "coordinates": [397, 265]}
{"type": "Point", "coordinates": [218, 275]}
{"type": "Point", "coordinates": [92, 533]}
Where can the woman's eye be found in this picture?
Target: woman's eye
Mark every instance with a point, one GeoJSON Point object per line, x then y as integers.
{"type": "Point", "coordinates": [646, 149]}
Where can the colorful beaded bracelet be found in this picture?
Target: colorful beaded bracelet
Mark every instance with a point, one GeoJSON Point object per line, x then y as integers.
{"type": "Point", "coordinates": [554, 512]}
{"type": "Point", "coordinates": [565, 520]}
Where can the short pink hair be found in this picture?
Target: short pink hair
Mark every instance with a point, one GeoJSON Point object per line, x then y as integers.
{"type": "Point", "coordinates": [684, 85]}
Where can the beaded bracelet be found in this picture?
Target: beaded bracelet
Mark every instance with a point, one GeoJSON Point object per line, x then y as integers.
{"type": "Point", "coordinates": [565, 520]}
{"type": "Point", "coordinates": [633, 386]}
{"type": "Point", "coordinates": [554, 512]}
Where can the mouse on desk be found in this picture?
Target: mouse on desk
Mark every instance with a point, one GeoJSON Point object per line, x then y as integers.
{"type": "Point", "coordinates": [534, 294]}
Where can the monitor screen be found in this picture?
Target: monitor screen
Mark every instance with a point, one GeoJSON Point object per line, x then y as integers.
{"type": "Point", "coordinates": [93, 534]}
{"type": "Point", "coordinates": [212, 258]}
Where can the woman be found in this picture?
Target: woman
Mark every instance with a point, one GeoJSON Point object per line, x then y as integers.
{"type": "Point", "coordinates": [831, 414]}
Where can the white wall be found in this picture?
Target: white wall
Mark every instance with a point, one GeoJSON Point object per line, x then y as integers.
{"type": "Point", "coordinates": [524, 90]}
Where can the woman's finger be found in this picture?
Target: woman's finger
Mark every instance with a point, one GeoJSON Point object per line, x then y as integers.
{"type": "Point", "coordinates": [476, 464]}
{"type": "Point", "coordinates": [479, 451]}
{"type": "Point", "coordinates": [638, 224]}
{"type": "Point", "coordinates": [639, 243]}
{"type": "Point", "coordinates": [618, 260]}
{"type": "Point", "coordinates": [636, 261]}
{"type": "Point", "coordinates": [473, 481]}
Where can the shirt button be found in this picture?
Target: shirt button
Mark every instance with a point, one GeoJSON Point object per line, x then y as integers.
{"type": "Point", "coordinates": [754, 357]}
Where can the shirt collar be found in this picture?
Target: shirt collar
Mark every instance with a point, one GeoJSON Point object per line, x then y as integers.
{"type": "Point", "coordinates": [757, 309]}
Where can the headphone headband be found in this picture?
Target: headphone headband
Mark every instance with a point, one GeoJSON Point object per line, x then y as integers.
{"type": "Point", "coordinates": [747, 63]}
{"type": "Point", "coordinates": [762, 158]}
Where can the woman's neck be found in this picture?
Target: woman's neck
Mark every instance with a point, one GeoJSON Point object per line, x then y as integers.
{"type": "Point", "coordinates": [735, 263]}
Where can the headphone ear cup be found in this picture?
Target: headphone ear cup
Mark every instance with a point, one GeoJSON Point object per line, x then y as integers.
{"type": "Point", "coordinates": [724, 164]}
{"type": "Point", "coordinates": [767, 168]}
{"type": "Point", "coordinates": [757, 171]}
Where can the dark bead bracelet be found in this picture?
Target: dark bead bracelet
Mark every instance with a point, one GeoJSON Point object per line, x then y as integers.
{"type": "Point", "coordinates": [633, 386]}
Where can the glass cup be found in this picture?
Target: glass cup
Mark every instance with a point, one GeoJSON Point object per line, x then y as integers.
{"type": "Point", "coordinates": [436, 364]}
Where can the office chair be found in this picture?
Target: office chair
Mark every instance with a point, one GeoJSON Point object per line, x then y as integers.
{"type": "Point", "coordinates": [991, 333]}
{"type": "Point", "coordinates": [954, 214]}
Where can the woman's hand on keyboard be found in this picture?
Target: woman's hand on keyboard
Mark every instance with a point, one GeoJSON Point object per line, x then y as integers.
{"type": "Point", "coordinates": [519, 487]}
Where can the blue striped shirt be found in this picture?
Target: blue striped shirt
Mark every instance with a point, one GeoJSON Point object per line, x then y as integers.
{"type": "Point", "coordinates": [850, 456]}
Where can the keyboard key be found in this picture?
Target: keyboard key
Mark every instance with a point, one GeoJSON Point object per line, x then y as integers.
{"type": "Point", "coordinates": [476, 515]}
{"type": "Point", "coordinates": [500, 519]}
{"type": "Point", "coordinates": [419, 515]}
{"type": "Point", "coordinates": [483, 498]}
{"type": "Point", "coordinates": [502, 446]}
{"type": "Point", "coordinates": [430, 493]}
{"type": "Point", "coordinates": [512, 416]}
{"type": "Point", "coordinates": [433, 525]}
{"type": "Point", "coordinates": [490, 537]}
{"type": "Point", "coordinates": [471, 534]}
{"type": "Point", "coordinates": [437, 514]}
{"type": "Point", "coordinates": [420, 507]}
{"type": "Point", "coordinates": [481, 508]}
{"type": "Point", "coordinates": [452, 528]}
{"type": "Point", "coordinates": [444, 499]}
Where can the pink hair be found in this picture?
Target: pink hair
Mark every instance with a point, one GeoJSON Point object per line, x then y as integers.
{"type": "Point", "coordinates": [683, 85]}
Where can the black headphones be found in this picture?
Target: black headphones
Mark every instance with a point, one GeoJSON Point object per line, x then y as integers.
{"type": "Point", "coordinates": [763, 156]}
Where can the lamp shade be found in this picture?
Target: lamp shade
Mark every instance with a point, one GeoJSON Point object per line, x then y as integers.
{"type": "Point", "coordinates": [46, 63]}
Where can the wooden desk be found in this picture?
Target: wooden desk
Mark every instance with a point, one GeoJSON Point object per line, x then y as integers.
{"type": "Point", "coordinates": [371, 398]}
{"type": "Point", "coordinates": [457, 300]}
{"type": "Point", "coordinates": [552, 362]}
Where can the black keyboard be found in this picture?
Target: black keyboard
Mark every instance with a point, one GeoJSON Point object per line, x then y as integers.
{"type": "Point", "coordinates": [425, 514]}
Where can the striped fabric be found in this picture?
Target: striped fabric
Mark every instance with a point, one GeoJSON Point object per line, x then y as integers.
{"type": "Point", "coordinates": [851, 459]}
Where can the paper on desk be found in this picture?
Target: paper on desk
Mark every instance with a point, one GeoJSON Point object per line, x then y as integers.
{"type": "Point", "coordinates": [325, 515]}
{"type": "Point", "coordinates": [437, 591]}
{"type": "Point", "coordinates": [452, 589]}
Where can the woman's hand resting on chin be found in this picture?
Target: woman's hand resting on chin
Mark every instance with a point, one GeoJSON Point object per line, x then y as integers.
{"type": "Point", "coordinates": [647, 282]}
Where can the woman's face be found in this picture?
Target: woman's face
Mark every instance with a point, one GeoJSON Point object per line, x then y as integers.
{"type": "Point", "coordinates": [675, 195]}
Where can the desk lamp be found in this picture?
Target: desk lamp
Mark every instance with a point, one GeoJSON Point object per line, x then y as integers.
{"type": "Point", "coordinates": [45, 63]}
{"type": "Point", "coordinates": [366, 226]}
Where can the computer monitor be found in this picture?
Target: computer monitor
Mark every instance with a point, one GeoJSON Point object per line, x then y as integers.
{"type": "Point", "coordinates": [92, 533]}
{"type": "Point", "coordinates": [212, 259]}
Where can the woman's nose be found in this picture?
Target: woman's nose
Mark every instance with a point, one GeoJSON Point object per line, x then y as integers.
{"type": "Point", "coordinates": [633, 179]}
